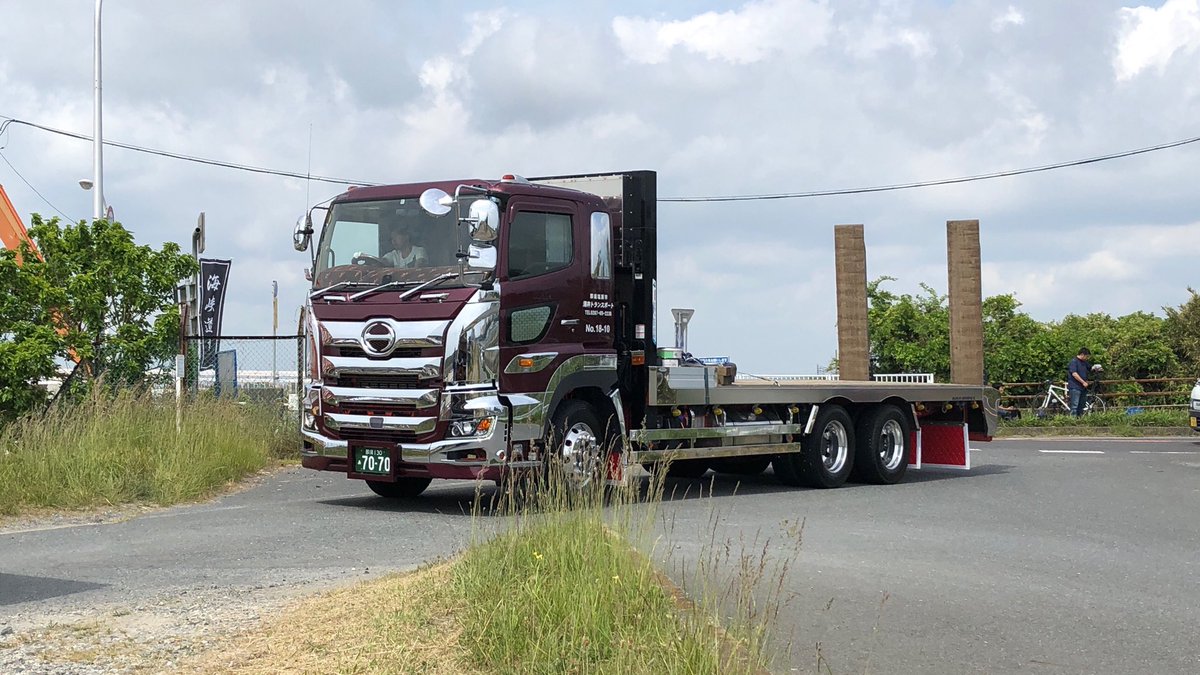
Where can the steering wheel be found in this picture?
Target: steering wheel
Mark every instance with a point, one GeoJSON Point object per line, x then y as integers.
{"type": "Point", "coordinates": [365, 260]}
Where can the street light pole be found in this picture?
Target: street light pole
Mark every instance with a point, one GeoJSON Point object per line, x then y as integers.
{"type": "Point", "coordinates": [97, 133]}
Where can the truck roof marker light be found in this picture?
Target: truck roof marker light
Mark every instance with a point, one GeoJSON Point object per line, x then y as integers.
{"type": "Point", "coordinates": [514, 178]}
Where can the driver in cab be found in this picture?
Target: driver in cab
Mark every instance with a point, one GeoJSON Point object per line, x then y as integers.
{"type": "Point", "coordinates": [404, 253]}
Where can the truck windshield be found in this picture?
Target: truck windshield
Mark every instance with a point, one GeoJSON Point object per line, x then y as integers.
{"type": "Point", "coordinates": [392, 240]}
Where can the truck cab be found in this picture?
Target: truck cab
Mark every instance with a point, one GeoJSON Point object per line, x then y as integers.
{"type": "Point", "coordinates": [448, 320]}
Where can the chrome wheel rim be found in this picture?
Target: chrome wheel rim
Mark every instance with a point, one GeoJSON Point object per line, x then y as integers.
{"type": "Point", "coordinates": [835, 446]}
{"type": "Point", "coordinates": [891, 445]}
{"type": "Point", "coordinates": [580, 456]}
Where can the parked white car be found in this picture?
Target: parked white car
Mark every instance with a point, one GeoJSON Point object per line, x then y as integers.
{"type": "Point", "coordinates": [1194, 408]}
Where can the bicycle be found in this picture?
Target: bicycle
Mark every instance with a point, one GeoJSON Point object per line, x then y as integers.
{"type": "Point", "coordinates": [1058, 402]}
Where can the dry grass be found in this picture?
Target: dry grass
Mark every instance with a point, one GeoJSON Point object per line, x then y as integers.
{"type": "Point", "coordinates": [404, 623]}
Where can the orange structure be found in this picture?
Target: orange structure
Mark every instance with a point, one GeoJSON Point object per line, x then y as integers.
{"type": "Point", "coordinates": [12, 230]}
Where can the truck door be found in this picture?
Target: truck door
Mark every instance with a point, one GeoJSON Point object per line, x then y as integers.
{"type": "Point", "coordinates": [555, 294]}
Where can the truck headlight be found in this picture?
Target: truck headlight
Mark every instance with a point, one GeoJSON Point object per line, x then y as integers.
{"type": "Point", "coordinates": [471, 427]}
{"type": "Point", "coordinates": [312, 407]}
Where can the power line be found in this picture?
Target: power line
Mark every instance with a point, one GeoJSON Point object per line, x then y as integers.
{"type": "Point", "coordinates": [932, 183]}
{"type": "Point", "coordinates": [723, 198]}
{"type": "Point", "coordinates": [192, 158]}
{"type": "Point", "coordinates": [35, 190]}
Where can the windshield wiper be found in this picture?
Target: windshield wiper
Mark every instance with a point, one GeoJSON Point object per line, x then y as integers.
{"type": "Point", "coordinates": [339, 285]}
{"type": "Point", "coordinates": [397, 284]}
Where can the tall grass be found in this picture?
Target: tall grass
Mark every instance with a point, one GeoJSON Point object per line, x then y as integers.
{"type": "Point", "coordinates": [1116, 419]}
{"type": "Point", "coordinates": [123, 448]}
{"type": "Point", "coordinates": [565, 588]}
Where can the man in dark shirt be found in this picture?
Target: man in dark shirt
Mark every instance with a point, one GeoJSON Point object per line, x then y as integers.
{"type": "Point", "coordinates": [1077, 384]}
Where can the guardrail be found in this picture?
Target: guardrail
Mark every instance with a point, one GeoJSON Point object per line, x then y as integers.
{"type": "Point", "coordinates": [1154, 392]}
{"type": "Point", "coordinates": [923, 378]}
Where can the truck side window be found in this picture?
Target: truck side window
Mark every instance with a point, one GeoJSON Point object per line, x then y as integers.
{"type": "Point", "coordinates": [539, 243]}
{"type": "Point", "coordinates": [601, 246]}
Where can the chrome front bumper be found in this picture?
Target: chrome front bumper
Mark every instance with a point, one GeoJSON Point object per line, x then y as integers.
{"type": "Point", "coordinates": [493, 445]}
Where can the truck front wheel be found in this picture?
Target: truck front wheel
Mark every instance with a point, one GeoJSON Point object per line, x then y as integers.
{"type": "Point", "coordinates": [576, 446]}
{"type": "Point", "coordinates": [884, 436]}
{"type": "Point", "coordinates": [401, 489]}
{"type": "Point", "coordinates": [827, 454]}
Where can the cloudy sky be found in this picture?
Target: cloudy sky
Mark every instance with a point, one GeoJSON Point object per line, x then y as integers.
{"type": "Point", "coordinates": [721, 98]}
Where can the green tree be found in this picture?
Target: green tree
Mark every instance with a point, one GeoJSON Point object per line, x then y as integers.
{"type": "Point", "coordinates": [28, 342]}
{"type": "Point", "coordinates": [1016, 347]}
{"type": "Point", "coordinates": [1182, 328]}
{"type": "Point", "coordinates": [94, 296]}
{"type": "Point", "coordinates": [1140, 348]}
{"type": "Point", "coordinates": [908, 334]}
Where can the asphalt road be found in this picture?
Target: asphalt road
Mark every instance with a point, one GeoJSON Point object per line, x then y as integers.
{"type": "Point", "coordinates": [1049, 556]}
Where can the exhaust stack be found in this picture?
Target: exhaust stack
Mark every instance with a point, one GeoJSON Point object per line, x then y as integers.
{"type": "Point", "coordinates": [682, 317]}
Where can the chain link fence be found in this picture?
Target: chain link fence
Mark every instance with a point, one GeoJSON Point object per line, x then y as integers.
{"type": "Point", "coordinates": [261, 369]}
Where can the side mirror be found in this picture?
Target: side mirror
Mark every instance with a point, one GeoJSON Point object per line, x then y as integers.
{"type": "Point", "coordinates": [436, 202]}
{"type": "Point", "coordinates": [481, 257]}
{"type": "Point", "coordinates": [484, 218]}
{"type": "Point", "coordinates": [302, 234]}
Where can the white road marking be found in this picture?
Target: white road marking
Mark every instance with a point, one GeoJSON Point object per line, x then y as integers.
{"type": "Point", "coordinates": [1164, 452]}
{"type": "Point", "coordinates": [1072, 452]}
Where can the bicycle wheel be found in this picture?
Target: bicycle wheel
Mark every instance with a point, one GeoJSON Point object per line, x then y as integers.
{"type": "Point", "coordinates": [1053, 406]}
{"type": "Point", "coordinates": [1095, 404]}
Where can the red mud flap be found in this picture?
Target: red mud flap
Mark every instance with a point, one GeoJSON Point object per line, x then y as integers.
{"type": "Point", "coordinates": [940, 446]}
{"type": "Point", "coordinates": [615, 472]}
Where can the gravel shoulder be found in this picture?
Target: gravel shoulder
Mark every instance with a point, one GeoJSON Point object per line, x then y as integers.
{"type": "Point", "coordinates": [135, 589]}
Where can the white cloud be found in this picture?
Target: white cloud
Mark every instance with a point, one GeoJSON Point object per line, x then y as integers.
{"type": "Point", "coordinates": [885, 32]}
{"type": "Point", "coordinates": [750, 97]}
{"type": "Point", "coordinates": [483, 26]}
{"type": "Point", "coordinates": [747, 35]}
{"type": "Point", "coordinates": [1150, 37]}
{"type": "Point", "coordinates": [1011, 17]}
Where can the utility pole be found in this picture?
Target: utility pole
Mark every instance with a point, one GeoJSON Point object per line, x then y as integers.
{"type": "Point", "coordinates": [193, 295]}
{"type": "Point", "coordinates": [274, 332]}
{"type": "Point", "coordinates": [97, 132]}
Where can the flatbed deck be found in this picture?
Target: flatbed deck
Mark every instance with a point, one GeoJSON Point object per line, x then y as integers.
{"type": "Point", "coordinates": [697, 385]}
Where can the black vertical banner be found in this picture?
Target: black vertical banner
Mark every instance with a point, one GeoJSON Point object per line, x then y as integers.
{"type": "Point", "coordinates": [214, 275]}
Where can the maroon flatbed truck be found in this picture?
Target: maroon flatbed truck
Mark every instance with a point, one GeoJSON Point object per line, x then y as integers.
{"type": "Point", "coordinates": [477, 328]}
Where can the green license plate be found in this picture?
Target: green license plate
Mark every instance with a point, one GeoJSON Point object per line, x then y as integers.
{"type": "Point", "coordinates": [372, 460]}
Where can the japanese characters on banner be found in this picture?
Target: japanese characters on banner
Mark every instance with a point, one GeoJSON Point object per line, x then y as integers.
{"type": "Point", "coordinates": [214, 274]}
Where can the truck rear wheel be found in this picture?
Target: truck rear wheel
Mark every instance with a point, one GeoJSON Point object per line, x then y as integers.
{"type": "Point", "coordinates": [826, 456]}
{"type": "Point", "coordinates": [401, 489]}
{"type": "Point", "coordinates": [881, 455]}
{"type": "Point", "coordinates": [576, 448]}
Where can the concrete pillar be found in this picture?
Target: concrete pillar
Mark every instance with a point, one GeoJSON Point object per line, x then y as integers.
{"type": "Point", "coordinates": [851, 268]}
{"type": "Point", "coordinates": [966, 302]}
